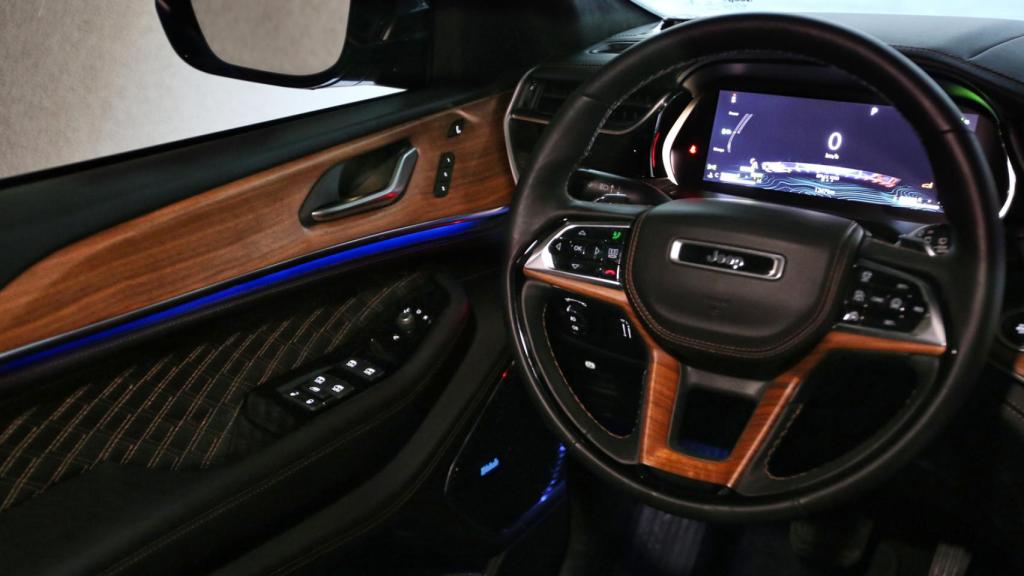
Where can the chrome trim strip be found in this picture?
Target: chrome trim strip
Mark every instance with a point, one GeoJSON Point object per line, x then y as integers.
{"type": "Point", "coordinates": [670, 140]}
{"type": "Point", "coordinates": [778, 260]}
{"type": "Point", "coordinates": [1011, 191]}
{"type": "Point", "coordinates": [508, 118]}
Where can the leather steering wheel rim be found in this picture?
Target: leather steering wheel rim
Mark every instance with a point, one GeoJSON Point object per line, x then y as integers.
{"type": "Point", "coordinates": [966, 190]}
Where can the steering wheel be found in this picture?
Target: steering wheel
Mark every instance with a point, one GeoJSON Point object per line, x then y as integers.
{"type": "Point", "coordinates": [772, 323]}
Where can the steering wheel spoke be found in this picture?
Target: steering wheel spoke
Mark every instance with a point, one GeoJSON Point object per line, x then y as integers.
{"type": "Point", "coordinates": [781, 403]}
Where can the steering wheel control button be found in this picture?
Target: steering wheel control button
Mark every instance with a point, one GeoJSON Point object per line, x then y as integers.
{"type": "Point", "coordinates": [614, 252]}
{"type": "Point", "coordinates": [884, 301]}
{"type": "Point", "coordinates": [581, 267]}
{"type": "Point", "coordinates": [579, 249]}
{"type": "Point", "coordinates": [1013, 329]}
{"type": "Point", "coordinates": [933, 239]}
{"type": "Point", "coordinates": [592, 251]}
{"type": "Point", "coordinates": [575, 317]}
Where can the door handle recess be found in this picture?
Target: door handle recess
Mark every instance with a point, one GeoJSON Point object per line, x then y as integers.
{"type": "Point", "coordinates": [386, 196]}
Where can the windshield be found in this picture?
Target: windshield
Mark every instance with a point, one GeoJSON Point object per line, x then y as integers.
{"type": "Point", "coordinates": [1013, 9]}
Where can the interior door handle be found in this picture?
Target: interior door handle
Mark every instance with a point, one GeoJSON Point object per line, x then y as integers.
{"type": "Point", "coordinates": [388, 195]}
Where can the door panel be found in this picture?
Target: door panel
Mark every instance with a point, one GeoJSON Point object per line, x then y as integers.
{"type": "Point", "coordinates": [45, 211]}
{"type": "Point", "coordinates": [175, 455]}
{"type": "Point", "coordinates": [145, 421]}
{"type": "Point", "coordinates": [176, 405]}
{"type": "Point", "coordinates": [248, 226]}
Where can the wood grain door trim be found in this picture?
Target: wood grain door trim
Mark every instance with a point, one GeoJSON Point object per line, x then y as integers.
{"type": "Point", "coordinates": [248, 225]}
{"type": "Point", "coordinates": [662, 382]}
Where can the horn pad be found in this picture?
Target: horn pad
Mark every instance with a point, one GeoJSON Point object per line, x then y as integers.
{"type": "Point", "coordinates": [738, 280]}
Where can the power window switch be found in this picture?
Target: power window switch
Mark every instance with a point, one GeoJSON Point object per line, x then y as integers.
{"type": "Point", "coordinates": [304, 400]}
{"type": "Point", "coordinates": [339, 389]}
{"type": "Point", "coordinates": [320, 385]}
{"type": "Point", "coordinates": [362, 369]}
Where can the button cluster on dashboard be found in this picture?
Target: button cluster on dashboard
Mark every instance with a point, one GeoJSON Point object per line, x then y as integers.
{"type": "Point", "coordinates": [882, 300]}
{"type": "Point", "coordinates": [590, 251]}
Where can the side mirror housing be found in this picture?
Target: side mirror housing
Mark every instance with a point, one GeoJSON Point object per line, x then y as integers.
{"type": "Point", "coordinates": [308, 44]}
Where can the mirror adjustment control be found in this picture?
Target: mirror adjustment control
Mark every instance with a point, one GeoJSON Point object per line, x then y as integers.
{"type": "Point", "coordinates": [406, 321]}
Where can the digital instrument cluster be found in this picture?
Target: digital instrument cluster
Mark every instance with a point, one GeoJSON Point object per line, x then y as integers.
{"type": "Point", "coordinates": [828, 148]}
{"type": "Point", "coordinates": [825, 148]}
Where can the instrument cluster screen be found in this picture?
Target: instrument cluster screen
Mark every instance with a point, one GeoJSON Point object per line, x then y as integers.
{"type": "Point", "coordinates": [823, 148]}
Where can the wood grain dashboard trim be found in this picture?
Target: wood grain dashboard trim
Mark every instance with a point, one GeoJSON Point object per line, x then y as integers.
{"type": "Point", "coordinates": [662, 383]}
{"type": "Point", "coordinates": [249, 225]}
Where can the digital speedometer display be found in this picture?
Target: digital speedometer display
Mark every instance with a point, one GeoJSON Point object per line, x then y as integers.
{"type": "Point", "coordinates": [822, 148]}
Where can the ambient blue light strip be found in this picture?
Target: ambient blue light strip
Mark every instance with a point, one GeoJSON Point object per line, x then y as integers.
{"type": "Point", "coordinates": [247, 287]}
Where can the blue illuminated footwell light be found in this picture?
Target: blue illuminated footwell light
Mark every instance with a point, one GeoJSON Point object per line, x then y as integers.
{"type": "Point", "coordinates": [706, 451]}
{"type": "Point", "coordinates": [489, 466]}
{"type": "Point", "coordinates": [556, 475]}
{"type": "Point", "coordinates": [246, 287]}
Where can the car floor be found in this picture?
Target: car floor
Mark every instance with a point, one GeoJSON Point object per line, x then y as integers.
{"type": "Point", "coordinates": [615, 535]}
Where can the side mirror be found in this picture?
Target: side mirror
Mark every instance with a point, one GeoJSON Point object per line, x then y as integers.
{"type": "Point", "coordinates": [304, 44]}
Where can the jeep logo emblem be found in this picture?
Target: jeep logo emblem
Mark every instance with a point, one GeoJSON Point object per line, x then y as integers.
{"type": "Point", "coordinates": [721, 258]}
{"type": "Point", "coordinates": [731, 259]}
